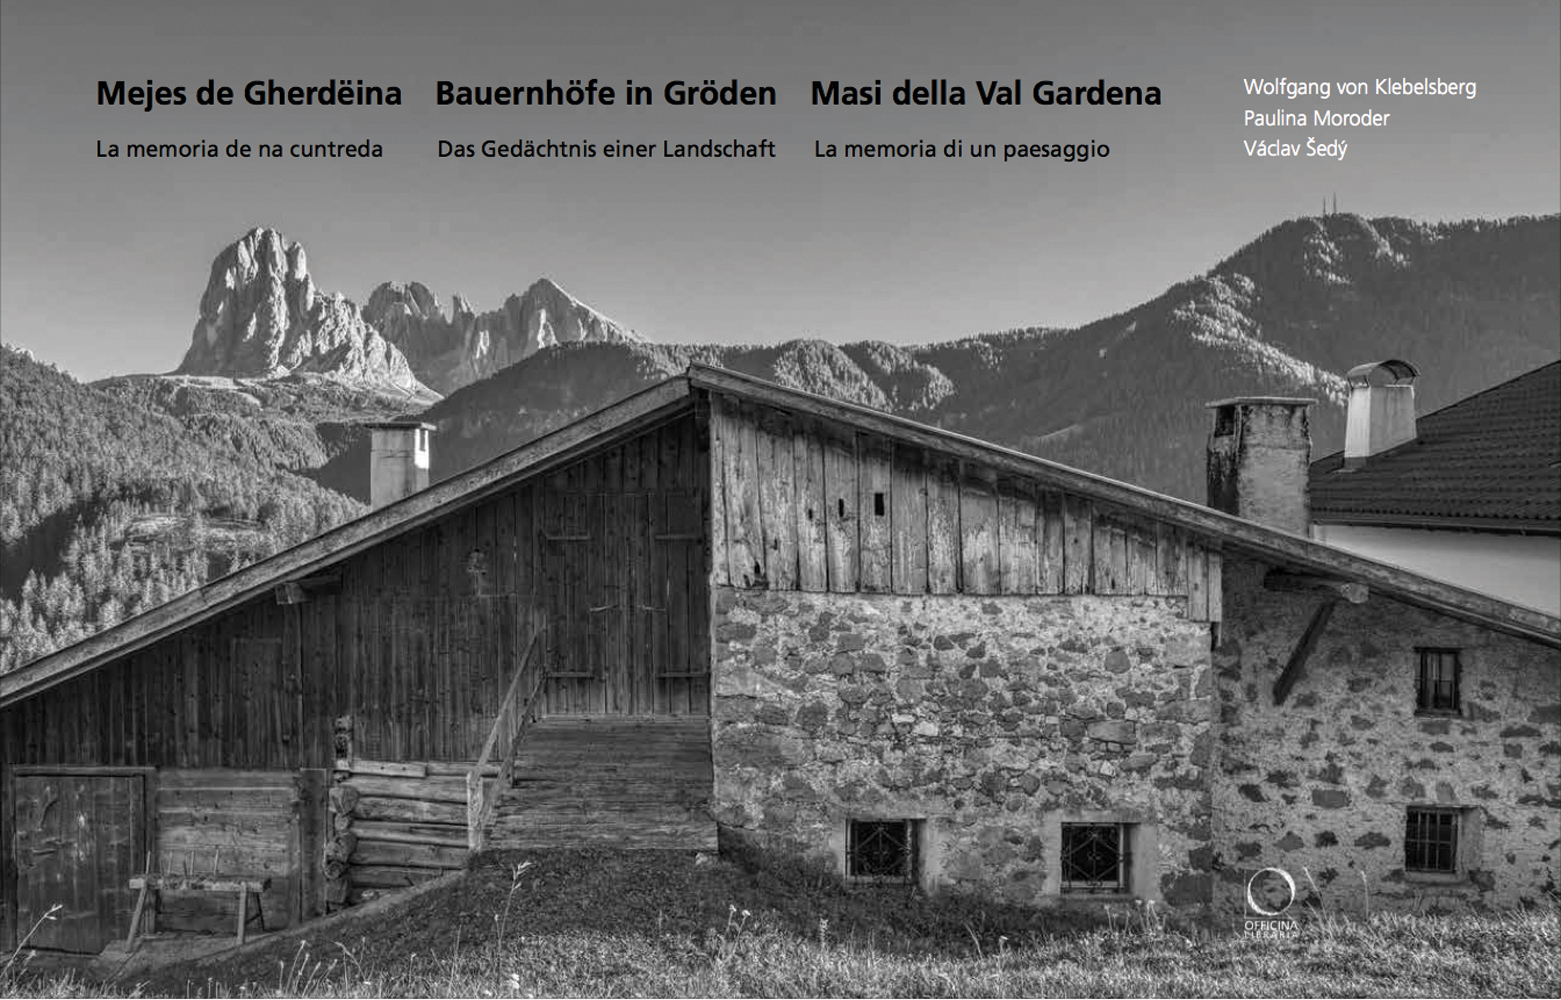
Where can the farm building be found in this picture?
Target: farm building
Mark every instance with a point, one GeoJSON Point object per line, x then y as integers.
{"type": "Point", "coordinates": [725, 612]}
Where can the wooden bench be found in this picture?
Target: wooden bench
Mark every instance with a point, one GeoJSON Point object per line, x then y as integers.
{"type": "Point", "coordinates": [244, 886]}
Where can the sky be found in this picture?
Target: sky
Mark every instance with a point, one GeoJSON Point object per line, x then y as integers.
{"type": "Point", "coordinates": [103, 261]}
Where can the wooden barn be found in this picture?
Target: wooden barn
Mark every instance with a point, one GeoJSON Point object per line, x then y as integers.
{"type": "Point", "coordinates": [716, 610]}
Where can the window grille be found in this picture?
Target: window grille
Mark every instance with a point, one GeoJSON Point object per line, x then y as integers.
{"type": "Point", "coordinates": [882, 851]}
{"type": "Point", "coordinates": [1431, 840]}
{"type": "Point", "coordinates": [1437, 689]}
{"type": "Point", "coordinates": [1094, 857]}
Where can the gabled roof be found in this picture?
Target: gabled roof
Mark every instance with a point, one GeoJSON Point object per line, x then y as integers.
{"type": "Point", "coordinates": [1491, 461]}
{"type": "Point", "coordinates": [675, 396]}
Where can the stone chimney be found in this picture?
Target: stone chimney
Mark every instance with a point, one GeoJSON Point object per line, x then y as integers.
{"type": "Point", "coordinates": [1258, 460]}
{"type": "Point", "coordinates": [1382, 410]}
{"type": "Point", "coordinates": [398, 463]}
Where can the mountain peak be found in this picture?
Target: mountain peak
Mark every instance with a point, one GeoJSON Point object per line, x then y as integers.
{"type": "Point", "coordinates": [261, 316]}
{"type": "Point", "coordinates": [449, 350]}
{"type": "Point", "coordinates": [547, 286]}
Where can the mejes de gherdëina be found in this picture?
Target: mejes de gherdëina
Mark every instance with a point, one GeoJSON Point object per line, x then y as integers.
{"type": "Point", "coordinates": [256, 92]}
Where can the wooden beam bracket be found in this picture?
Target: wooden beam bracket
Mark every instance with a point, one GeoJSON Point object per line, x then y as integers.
{"type": "Point", "coordinates": [300, 590]}
{"type": "Point", "coordinates": [290, 592]}
{"type": "Point", "coordinates": [1303, 651]}
{"type": "Point", "coordinates": [1332, 588]}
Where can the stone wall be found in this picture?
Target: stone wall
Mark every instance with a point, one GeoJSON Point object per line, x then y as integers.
{"type": "Point", "coordinates": [1320, 784]}
{"type": "Point", "coordinates": [993, 720]}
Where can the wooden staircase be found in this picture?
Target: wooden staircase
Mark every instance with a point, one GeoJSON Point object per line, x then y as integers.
{"type": "Point", "coordinates": [626, 781]}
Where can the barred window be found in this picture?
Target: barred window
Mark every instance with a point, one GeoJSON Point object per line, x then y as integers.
{"type": "Point", "coordinates": [1431, 840]}
{"type": "Point", "coordinates": [1437, 690]}
{"type": "Point", "coordinates": [1094, 857]}
{"type": "Point", "coordinates": [882, 851]}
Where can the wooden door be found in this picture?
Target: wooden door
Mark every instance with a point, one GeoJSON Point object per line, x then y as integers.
{"type": "Point", "coordinates": [80, 836]}
{"type": "Point", "coordinates": [625, 596]}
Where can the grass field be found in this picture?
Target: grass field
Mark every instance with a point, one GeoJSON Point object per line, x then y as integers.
{"type": "Point", "coordinates": [596, 923]}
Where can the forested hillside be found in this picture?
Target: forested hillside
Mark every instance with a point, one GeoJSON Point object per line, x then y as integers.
{"type": "Point", "coordinates": [108, 508]}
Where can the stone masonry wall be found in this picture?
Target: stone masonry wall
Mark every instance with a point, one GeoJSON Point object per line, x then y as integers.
{"type": "Point", "coordinates": [991, 719]}
{"type": "Point", "coordinates": [1320, 784]}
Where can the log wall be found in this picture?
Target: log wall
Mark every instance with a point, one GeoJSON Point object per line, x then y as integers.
{"type": "Point", "coordinates": [798, 504]}
{"type": "Point", "coordinates": [394, 824]}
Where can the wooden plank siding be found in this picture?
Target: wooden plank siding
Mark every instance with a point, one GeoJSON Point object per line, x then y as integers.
{"type": "Point", "coordinates": [419, 639]}
{"type": "Point", "coordinates": [813, 506]}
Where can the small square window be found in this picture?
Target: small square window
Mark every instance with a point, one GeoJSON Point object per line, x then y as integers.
{"type": "Point", "coordinates": [1436, 690]}
{"type": "Point", "coordinates": [1095, 857]}
{"type": "Point", "coordinates": [882, 851]}
{"type": "Point", "coordinates": [1431, 840]}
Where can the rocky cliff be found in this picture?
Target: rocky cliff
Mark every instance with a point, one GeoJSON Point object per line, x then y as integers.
{"type": "Point", "coordinates": [261, 316]}
{"type": "Point", "coordinates": [448, 351]}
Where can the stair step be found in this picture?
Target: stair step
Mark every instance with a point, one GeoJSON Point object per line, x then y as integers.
{"type": "Point", "coordinates": [643, 759]}
{"type": "Point", "coordinates": [519, 805]}
{"type": "Point", "coordinates": [687, 841]}
{"type": "Point", "coordinates": [631, 782]}
{"type": "Point", "coordinates": [530, 800]}
{"type": "Point", "coordinates": [623, 753]}
{"type": "Point", "coordinates": [615, 781]}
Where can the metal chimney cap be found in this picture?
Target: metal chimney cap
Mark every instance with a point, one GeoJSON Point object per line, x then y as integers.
{"type": "Point", "coordinates": [1392, 372]}
{"type": "Point", "coordinates": [1261, 401]}
{"type": "Point", "coordinates": [399, 425]}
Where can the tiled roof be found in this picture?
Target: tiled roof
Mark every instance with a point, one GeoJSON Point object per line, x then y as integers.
{"type": "Point", "coordinates": [1492, 460]}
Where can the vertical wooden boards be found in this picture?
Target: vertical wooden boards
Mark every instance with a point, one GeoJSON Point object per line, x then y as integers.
{"type": "Point", "coordinates": [744, 524]}
{"type": "Point", "coordinates": [310, 833]}
{"type": "Point", "coordinates": [1110, 555]}
{"type": "Point", "coordinates": [1159, 580]}
{"type": "Point", "coordinates": [1143, 568]}
{"type": "Point", "coordinates": [1051, 541]}
{"type": "Point", "coordinates": [980, 568]}
{"type": "Point", "coordinates": [1079, 544]}
{"type": "Point", "coordinates": [720, 574]}
{"type": "Point", "coordinates": [777, 499]}
{"type": "Point", "coordinates": [875, 534]}
{"type": "Point", "coordinates": [840, 510]}
{"type": "Point", "coordinates": [1018, 555]}
{"type": "Point", "coordinates": [189, 651]}
{"type": "Point", "coordinates": [943, 525]}
{"type": "Point", "coordinates": [637, 588]}
{"type": "Point", "coordinates": [811, 510]}
{"type": "Point", "coordinates": [664, 600]}
{"type": "Point", "coordinates": [1197, 583]}
{"type": "Point", "coordinates": [1216, 585]}
{"type": "Point", "coordinates": [908, 521]}
{"type": "Point", "coordinates": [675, 654]}
{"type": "Point", "coordinates": [551, 583]}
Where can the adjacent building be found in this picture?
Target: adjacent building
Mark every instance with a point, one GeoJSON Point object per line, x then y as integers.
{"type": "Point", "coordinates": [1470, 493]}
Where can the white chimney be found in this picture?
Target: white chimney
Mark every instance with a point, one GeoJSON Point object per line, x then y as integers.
{"type": "Point", "coordinates": [1382, 409]}
{"type": "Point", "coordinates": [398, 462]}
